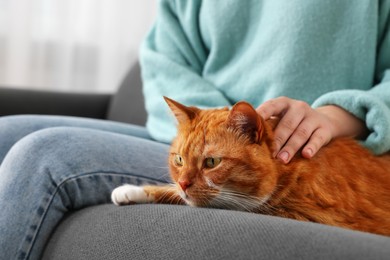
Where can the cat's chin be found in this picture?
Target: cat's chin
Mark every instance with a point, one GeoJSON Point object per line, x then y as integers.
{"type": "Point", "coordinates": [188, 200]}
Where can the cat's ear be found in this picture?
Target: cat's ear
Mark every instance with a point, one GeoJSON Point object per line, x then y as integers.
{"type": "Point", "coordinates": [244, 119]}
{"type": "Point", "coordinates": [182, 113]}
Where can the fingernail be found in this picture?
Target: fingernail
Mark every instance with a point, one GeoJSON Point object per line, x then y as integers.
{"type": "Point", "coordinates": [309, 152]}
{"type": "Point", "coordinates": [283, 156]}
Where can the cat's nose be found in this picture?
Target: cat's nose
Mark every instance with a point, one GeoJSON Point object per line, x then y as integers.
{"type": "Point", "coordinates": [184, 184]}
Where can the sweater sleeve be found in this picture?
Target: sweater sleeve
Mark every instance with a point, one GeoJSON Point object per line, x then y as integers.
{"type": "Point", "coordinates": [372, 106]}
{"type": "Point", "coordinates": [172, 59]}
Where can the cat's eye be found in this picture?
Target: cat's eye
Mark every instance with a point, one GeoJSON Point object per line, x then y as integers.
{"type": "Point", "coordinates": [212, 162]}
{"type": "Point", "coordinates": [178, 160]}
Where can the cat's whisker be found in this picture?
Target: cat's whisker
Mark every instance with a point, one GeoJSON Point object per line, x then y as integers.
{"type": "Point", "coordinates": [170, 191]}
{"type": "Point", "coordinates": [236, 200]}
{"type": "Point", "coordinates": [164, 196]}
{"type": "Point", "coordinates": [268, 209]}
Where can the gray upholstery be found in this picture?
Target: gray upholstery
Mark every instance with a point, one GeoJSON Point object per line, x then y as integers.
{"type": "Point", "coordinates": [181, 232]}
{"type": "Point", "coordinates": [127, 105]}
{"type": "Point", "coordinates": [178, 232]}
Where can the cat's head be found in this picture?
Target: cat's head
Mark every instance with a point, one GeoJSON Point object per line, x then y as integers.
{"type": "Point", "coordinates": [222, 158]}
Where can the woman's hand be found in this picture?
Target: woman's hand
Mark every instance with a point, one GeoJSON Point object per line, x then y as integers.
{"type": "Point", "coordinates": [301, 126]}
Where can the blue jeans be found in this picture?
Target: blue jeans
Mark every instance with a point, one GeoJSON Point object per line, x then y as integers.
{"type": "Point", "coordinates": [51, 165]}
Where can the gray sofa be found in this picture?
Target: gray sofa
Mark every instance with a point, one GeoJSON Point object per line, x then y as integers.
{"type": "Point", "coordinates": [176, 232]}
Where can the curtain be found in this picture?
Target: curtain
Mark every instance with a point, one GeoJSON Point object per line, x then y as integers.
{"type": "Point", "coordinates": [76, 45]}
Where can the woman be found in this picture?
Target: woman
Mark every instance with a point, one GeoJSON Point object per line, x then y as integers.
{"type": "Point", "coordinates": [329, 61]}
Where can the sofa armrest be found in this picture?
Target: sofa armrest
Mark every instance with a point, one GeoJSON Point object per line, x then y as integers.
{"type": "Point", "coordinates": [23, 101]}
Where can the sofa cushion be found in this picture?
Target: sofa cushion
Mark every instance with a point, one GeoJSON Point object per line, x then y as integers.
{"type": "Point", "coordinates": [183, 232]}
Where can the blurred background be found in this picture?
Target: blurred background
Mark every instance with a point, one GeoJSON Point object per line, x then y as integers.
{"type": "Point", "coordinates": [71, 45]}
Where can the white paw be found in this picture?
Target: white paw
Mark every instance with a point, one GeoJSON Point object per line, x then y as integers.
{"type": "Point", "coordinates": [129, 194]}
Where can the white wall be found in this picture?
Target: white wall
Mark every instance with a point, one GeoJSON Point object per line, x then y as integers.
{"type": "Point", "coordinates": [71, 45]}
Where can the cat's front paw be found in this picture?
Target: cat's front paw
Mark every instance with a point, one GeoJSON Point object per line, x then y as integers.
{"type": "Point", "coordinates": [129, 194]}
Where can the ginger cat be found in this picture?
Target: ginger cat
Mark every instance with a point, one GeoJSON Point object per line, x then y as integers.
{"type": "Point", "coordinates": [223, 159]}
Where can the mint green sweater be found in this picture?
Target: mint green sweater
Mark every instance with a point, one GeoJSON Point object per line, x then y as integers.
{"type": "Point", "coordinates": [213, 53]}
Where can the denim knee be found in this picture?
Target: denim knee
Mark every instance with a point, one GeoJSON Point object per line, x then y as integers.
{"type": "Point", "coordinates": [11, 130]}
{"type": "Point", "coordinates": [51, 150]}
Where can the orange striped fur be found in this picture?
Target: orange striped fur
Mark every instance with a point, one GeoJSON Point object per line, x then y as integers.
{"type": "Point", "coordinates": [344, 185]}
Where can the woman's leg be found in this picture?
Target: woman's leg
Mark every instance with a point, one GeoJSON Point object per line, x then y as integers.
{"type": "Point", "coordinates": [13, 128]}
{"type": "Point", "coordinates": [55, 170]}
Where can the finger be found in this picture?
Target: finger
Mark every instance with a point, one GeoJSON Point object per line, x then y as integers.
{"type": "Point", "coordinates": [273, 107]}
{"type": "Point", "coordinates": [285, 128]}
{"type": "Point", "coordinates": [297, 140]}
{"type": "Point", "coordinates": [318, 139]}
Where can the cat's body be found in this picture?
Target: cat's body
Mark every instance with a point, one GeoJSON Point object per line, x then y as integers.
{"type": "Point", "coordinates": [223, 159]}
